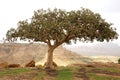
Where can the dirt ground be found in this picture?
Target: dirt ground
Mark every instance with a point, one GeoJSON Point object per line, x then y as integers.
{"type": "Point", "coordinates": [23, 76]}
{"type": "Point", "coordinates": [80, 74]}
{"type": "Point", "coordinates": [32, 75]}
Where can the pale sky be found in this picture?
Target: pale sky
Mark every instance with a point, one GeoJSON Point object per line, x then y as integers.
{"type": "Point", "coordinates": [12, 11]}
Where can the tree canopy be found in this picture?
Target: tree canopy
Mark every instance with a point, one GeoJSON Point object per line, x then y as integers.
{"type": "Point", "coordinates": [59, 26]}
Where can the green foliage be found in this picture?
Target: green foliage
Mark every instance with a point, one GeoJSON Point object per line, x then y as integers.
{"type": "Point", "coordinates": [60, 26]}
{"type": "Point", "coordinates": [64, 74]}
{"type": "Point", "coordinates": [14, 71]}
{"type": "Point", "coordinates": [119, 61]}
{"type": "Point", "coordinates": [40, 75]}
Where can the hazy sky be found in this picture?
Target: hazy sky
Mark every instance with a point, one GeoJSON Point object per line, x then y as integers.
{"type": "Point", "coordinates": [11, 11]}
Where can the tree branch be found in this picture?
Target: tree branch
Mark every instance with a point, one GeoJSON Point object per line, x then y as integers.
{"type": "Point", "coordinates": [61, 41]}
{"type": "Point", "coordinates": [71, 36]}
{"type": "Point", "coordinates": [48, 42]}
{"type": "Point", "coordinates": [56, 38]}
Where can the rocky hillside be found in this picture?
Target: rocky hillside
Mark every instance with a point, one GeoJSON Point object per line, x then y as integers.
{"type": "Point", "coordinates": [23, 53]}
{"type": "Point", "coordinates": [104, 59]}
{"type": "Point", "coordinates": [98, 49]}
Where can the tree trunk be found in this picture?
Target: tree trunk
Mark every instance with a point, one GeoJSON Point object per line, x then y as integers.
{"type": "Point", "coordinates": [49, 62]}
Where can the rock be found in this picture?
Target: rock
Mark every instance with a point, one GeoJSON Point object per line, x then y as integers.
{"type": "Point", "coordinates": [13, 65]}
{"type": "Point", "coordinates": [30, 64]}
{"type": "Point", "coordinates": [3, 65]}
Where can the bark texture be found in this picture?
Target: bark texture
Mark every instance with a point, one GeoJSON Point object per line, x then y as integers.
{"type": "Point", "coordinates": [49, 63]}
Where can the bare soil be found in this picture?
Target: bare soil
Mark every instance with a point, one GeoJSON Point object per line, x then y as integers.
{"type": "Point", "coordinates": [23, 76]}
{"type": "Point", "coordinates": [32, 75]}
{"type": "Point", "coordinates": [80, 74]}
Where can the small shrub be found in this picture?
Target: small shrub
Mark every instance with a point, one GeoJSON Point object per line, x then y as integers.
{"type": "Point", "coordinates": [119, 61]}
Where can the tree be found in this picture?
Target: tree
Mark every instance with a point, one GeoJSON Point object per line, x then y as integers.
{"type": "Point", "coordinates": [55, 27]}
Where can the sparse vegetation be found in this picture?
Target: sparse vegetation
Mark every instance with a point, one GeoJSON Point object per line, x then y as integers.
{"type": "Point", "coordinates": [40, 75]}
{"type": "Point", "coordinates": [15, 71]}
{"type": "Point", "coordinates": [109, 69]}
{"type": "Point", "coordinates": [62, 73]}
{"type": "Point", "coordinates": [102, 77]}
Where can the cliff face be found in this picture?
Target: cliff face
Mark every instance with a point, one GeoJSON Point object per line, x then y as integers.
{"type": "Point", "coordinates": [23, 53]}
